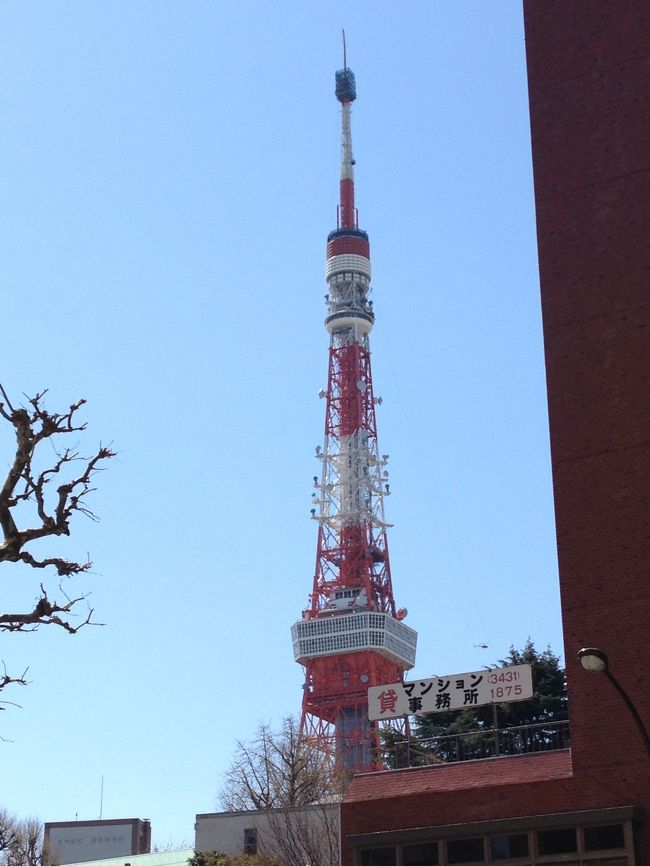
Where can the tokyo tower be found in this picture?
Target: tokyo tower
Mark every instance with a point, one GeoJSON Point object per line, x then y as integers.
{"type": "Point", "coordinates": [350, 636]}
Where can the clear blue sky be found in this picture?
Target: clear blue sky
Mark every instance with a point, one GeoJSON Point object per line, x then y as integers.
{"type": "Point", "coordinates": [169, 178]}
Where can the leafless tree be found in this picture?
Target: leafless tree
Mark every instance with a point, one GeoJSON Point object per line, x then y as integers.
{"type": "Point", "coordinates": [305, 834]}
{"type": "Point", "coordinates": [169, 845]}
{"type": "Point", "coordinates": [276, 769]}
{"type": "Point", "coordinates": [43, 489]}
{"type": "Point", "coordinates": [297, 788]}
{"type": "Point", "coordinates": [21, 842]}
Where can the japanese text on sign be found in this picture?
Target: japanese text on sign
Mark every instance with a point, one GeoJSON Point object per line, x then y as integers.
{"type": "Point", "coordinates": [454, 692]}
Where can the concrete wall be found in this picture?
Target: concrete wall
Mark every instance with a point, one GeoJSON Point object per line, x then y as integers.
{"type": "Point", "coordinates": [224, 831]}
{"type": "Point", "coordinates": [78, 841]}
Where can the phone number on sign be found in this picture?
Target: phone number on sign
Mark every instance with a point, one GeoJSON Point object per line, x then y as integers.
{"type": "Point", "coordinates": [506, 692]}
{"type": "Point", "coordinates": [503, 677]}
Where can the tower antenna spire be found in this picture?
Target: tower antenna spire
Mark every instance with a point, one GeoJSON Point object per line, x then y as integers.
{"type": "Point", "coordinates": [346, 93]}
{"type": "Point", "coordinates": [350, 637]}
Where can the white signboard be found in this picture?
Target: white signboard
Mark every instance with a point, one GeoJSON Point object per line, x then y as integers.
{"type": "Point", "coordinates": [97, 840]}
{"type": "Point", "coordinates": [453, 692]}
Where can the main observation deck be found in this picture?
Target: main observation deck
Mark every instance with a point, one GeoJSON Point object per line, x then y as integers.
{"type": "Point", "coordinates": [359, 631]}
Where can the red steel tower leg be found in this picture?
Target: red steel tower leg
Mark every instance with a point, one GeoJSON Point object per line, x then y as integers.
{"type": "Point", "coordinates": [350, 636]}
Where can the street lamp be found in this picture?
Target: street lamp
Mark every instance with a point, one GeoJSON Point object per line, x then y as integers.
{"type": "Point", "coordinates": [595, 660]}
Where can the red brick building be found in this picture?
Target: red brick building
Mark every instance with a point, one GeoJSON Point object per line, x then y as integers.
{"type": "Point", "coordinates": [589, 84]}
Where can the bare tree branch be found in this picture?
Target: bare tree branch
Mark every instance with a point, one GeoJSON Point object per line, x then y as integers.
{"type": "Point", "coordinates": [298, 787]}
{"type": "Point", "coordinates": [276, 769]}
{"type": "Point", "coordinates": [6, 680]}
{"type": "Point", "coordinates": [305, 834]}
{"type": "Point", "coordinates": [21, 841]}
{"type": "Point", "coordinates": [45, 491]}
{"type": "Point", "coordinates": [24, 484]}
{"type": "Point", "coordinates": [45, 612]}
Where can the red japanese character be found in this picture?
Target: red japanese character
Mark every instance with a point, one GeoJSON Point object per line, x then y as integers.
{"type": "Point", "coordinates": [388, 701]}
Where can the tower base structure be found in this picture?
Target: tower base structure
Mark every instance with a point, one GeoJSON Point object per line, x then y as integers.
{"type": "Point", "coordinates": [335, 716]}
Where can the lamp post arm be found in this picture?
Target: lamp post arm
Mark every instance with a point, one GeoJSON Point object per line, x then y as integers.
{"type": "Point", "coordinates": [633, 710]}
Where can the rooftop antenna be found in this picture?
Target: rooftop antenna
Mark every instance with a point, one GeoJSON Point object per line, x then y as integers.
{"type": "Point", "coordinates": [101, 800]}
{"type": "Point", "coordinates": [345, 53]}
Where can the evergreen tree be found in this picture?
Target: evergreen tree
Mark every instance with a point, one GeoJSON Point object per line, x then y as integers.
{"type": "Point", "coordinates": [548, 704]}
{"type": "Point", "coordinates": [549, 701]}
{"type": "Point", "coordinates": [217, 858]}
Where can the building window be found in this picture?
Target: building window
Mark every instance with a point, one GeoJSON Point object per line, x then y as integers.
{"type": "Point", "coordinates": [250, 840]}
{"type": "Point", "coordinates": [378, 857]}
{"type": "Point", "coordinates": [465, 850]}
{"type": "Point", "coordinates": [569, 845]}
{"type": "Point", "coordinates": [562, 841]}
{"type": "Point", "coordinates": [420, 855]}
{"type": "Point", "coordinates": [507, 847]}
{"type": "Point", "coordinates": [604, 838]}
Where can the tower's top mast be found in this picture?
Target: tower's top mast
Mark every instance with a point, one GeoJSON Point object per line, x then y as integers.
{"type": "Point", "coordinates": [346, 93]}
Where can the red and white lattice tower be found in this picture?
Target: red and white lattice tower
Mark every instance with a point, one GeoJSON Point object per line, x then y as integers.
{"type": "Point", "coordinates": [350, 636]}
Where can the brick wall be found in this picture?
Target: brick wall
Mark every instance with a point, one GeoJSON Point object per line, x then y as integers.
{"type": "Point", "coordinates": [589, 80]}
{"type": "Point", "coordinates": [589, 85]}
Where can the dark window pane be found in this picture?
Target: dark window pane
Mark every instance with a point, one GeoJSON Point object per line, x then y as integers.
{"type": "Point", "coordinates": [602, 838]}
{"type": "Point", "coordinates": [378, 857]}
{"type": "Point", "coordinates": [420, 855]}
{"type": "Point", "coordinates": [250, 840]}
{"type": "Point", "coordinates": [557, 841]}
{"type": "Point", "coordinates": [505, 847]}
{"type": "Point", "coordinates": [465, 850]}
